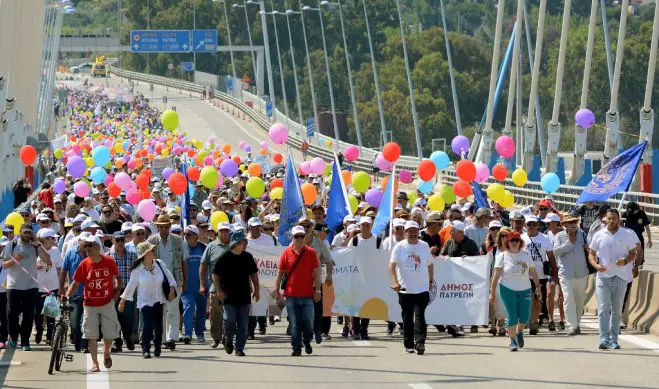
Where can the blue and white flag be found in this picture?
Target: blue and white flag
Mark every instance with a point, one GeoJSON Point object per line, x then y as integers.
{"type": "Point", "coordinates": [292, 206]}
{"type": "Point", "coordinates": [615, 177]}
{"type": "Point", "coordinates": [480, 198]}
{"type": "Point", "coordinates": [386, 210]}
{"type": "Point", "coordinates": [185, 203]}
{"type": "Point", "coordinates": [338, 206]}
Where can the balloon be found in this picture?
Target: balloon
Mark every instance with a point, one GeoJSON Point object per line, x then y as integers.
{"type": "Point", "coordinates": [208, 161]}
{"type": "Point", "coordinates": [347, 177]}
{"type": "Point", "coordinates": [460, 144]}
{"type": "Point", "coordinates": [15, 219]}
{"type": "Point", "coordinates": [276, 193]}
{"type": "Point", "coordinates": [28, 155]}
{"type": "Point", "coordinates": [58, 153]}
{"type": "Point", "coordinates": [495, 192]}
{"type": "Point", "coordinates": [98, 175]}
{"type": "Point", "coordinates": [447, 194]}
{"type": "Point", "coordinates": [426, 170]}
{"type": "Point", "coordinates": [276, 183]}
{"type": "Point", "coordinates": [226, 148]}
{"type": "Point", "coordinates": [519, 177]}
{"type": "Point", "coordinates": [309, 193]}
{"type": "Point", "coordinates": [382, 163]}
{"type": "Point", "coordinates": [278, 158]}
{"type": "Point", "coordinates": [132, 197]}
{"type": "Point", "coordinates": [229, 167]}
{"type": "Point", "coordinates": [193, 173]}
{"type": "Point", "coordinates": [482, 173]}
{"type": "Point", "coordinates": [385, 182]}
{"type": "Point", "coordinates": [317, 166]}
{"type": "Point", "coordinates": [146, 209]}
{"type": "Point", "coordinates": [263, 144]}
{"type": "Point", "coordinates": [411, 196]}
{"type": "Point", "coordinates": [114, 190]}
{"type": "Point", "coordinates": [59, 186]}
{"type": "Point", "coordinates": [81, 189]}
{"type": "Point", "coordinates": [255, 187]}
{"type": "Point", "coordinates": [508, 199]}
{"type": "Point", "coordinates": [278, 133]}
{"type": "Point", "coordinates": [177, 183]}
{"type": "Point", "coordinates": [76, 166]}
{"type": "Point", "coordinates": [169, 120]}
{"type": "Point", "coordinates": [351, 153]}
{"type": "Point", "coordinates": [440, 159]}
{"type": "Point", "coordinates": [550, 182]}
{"type": "Point", "coordinates": [254, 169]}
{"type": "Point", "coordinates": [374, 197]}
{"type": "Point", "coordinates": [209, 176]}
{"type": "Point", "coordinates": [462, 189]}
{"type": "Point", "coordinates": [305, 167]}
{"type": "Point", "coordinates": [218, 217]}
{"type": "Point", "coordinates": [466, 170]}
{"type": "Point", "coordinates": [391, 151]}
{"type": "Point", "coordinates": [499, 171]}
{"type": "Point", "coordinates": [585, 118]}
{"type": "Point", "coordinates": [405, 176]}
{"type": "Point", "coordinates": [436, 203]}
{"type": "Point", "coordinates": [122, 180]}
{"type": "Point", "coordinates": [505, 146]}
{"type": "Point", "coordinates": [425, 187]}
{"type": "Point", "coordinates": [142, 180]}
{"type": "Point", "coordinates": [354, 203]}
{"type": "Point", "coordinates": [101, 155]}
{"type": "Point", "coordinates": [167, 172]}
{"type": "Point", "coordinates": [361, 181]}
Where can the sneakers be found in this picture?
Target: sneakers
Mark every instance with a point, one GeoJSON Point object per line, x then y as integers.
{"type": "Point", "coordinates": [409, 350]}
{"type": "Point", "coordinates": [130, 345]}
{"type": "Point", "coordinates": [356, 337]}
{"type": "Point", "coordinates": [604, 346]}
{"type": "Point", "coordinates": [502, 332]}
{"type": "Point", "coordinates": [571, 332]}
{"type": "Point", "coordinates": [473, 329]}
{"type": "Point", "coordinates": [252, 337]}
{"type": "Point", "coordinates": [318, 337]}
{"type": "Point", "coordinates": [578, 330]}
{"type": "Point", "coordinates": [519, 339]}
{"type": "Point", "coordinates": [146, 355]}
{"type": "Point", "coordinates": [513, 345]}
{"type": "Point", "coordinates": [307, 348]}
{"type": "Point", "coordinates": [11, 344]}
{"type": "Point", "coordinates": [215, 344]}
{"type": "Point", "coordinates": [345, 331]}
{"type": "Point", "coordinates": [615, 346]}
{"type": "Point", "coordinates": [492, 331]}
{"type": "Point", "coordinates": [561, 325]}
{"type": "Point", "coordinates": [339, 320]}
{"type": "Point", "coordinates": [365, 335]}
{"type": "Point", "coordinates": [201, 339]}
{"type": "Point", "coordinates": [552, 326]}
{"type": "Point", "coordinates": [187, 340]}
{"type": "Point", "coordinates": [262, 331]}
{"type": "Point", "coordinates": [28, 348]}
{"type": "Point", "coordinates": [296, 353]}
{"type": "Point", "coordinates": [38, 337]}
{"type": "Point", "coordinates": [420, 348]}
{"type": "Point", "coordinates": [327, 337]}
{"type": "Point", "coordinates": [240, 353]}
{"type": "Point", "coordinates": [534, 329]}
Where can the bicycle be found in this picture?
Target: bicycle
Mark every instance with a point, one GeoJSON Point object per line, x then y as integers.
{"type": "Point", "coordinates": [60, 341]}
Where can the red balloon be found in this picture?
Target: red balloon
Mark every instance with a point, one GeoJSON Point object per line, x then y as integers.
{"type": "Point", "coordinates": [466, 170]}
{"type": "Point", "coordinates": [276, 183]}
{"type": "Point", "coordinates": [500, 172]}
{"type": "Point", "coordinates": [426, 170]}
{"type": "Point", "coordinates": [144, 193]}
{"type": "Point", "coordinates": [114, 190]}
{"type": "Point", "coordinates": [142, 180]}
{"type": "Point", "coordinates": [147, 172]}
{"type": "Point", "coordinates": [193, 173]}
{"type": "Point", "coordinates": [278, 158]}
{"type": "Point", "coordinates": [236, 159]}
{"type": "Point", "coordinates": [191, 153]}
{"type": "Point", "coordinates": [462, 189]}
{"type": "Point", "coordinates": [391, 152]}
{"type": "Point", "coordinates": [177, 183]}
{"type": "Point", "coordinates": [28, 155]}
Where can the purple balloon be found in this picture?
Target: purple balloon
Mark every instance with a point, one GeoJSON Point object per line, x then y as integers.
{"type": "Point", "coordinates": [460, 144]}
{"type": "Point", "coordinates": [59, 186]}
{"type": "Point", "coordinates": [166, 172]}
{"type": "Point", "coordinates": [248, 149]}
{"type": "Point", "coordinates": [76, 166]}
{"type": "Point", "coordinates": [383, 164]}
{"type": "Point", "coordinates": [585, 118]}
{"type": "Point", "coordinates": [374, 197]}
{"type": "Point", "coordinates": [229, 168]}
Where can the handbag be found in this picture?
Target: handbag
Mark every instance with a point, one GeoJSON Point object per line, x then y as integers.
{"type": "Point", "coordinates": [284, 277]}
{"type": "Point", "coordinates": [546, 266]}
{"type": "Point", "coordinates": [591, 269]}
{"type": "Point", "coordinates": [165, 284]}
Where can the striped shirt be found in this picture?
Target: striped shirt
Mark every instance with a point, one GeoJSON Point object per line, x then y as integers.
{"type": "Point", "coordinates": [123, 262]}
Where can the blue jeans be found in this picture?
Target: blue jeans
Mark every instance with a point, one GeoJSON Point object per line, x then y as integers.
{"type": "Point", "coordinates": [75, 317]}
{"type": "Point", "coordinates": [235, 323]}
{"type": "Point", "coordinates": [151, 319]}
{"type": "Point", "coordinates": [300, 313]}
{"type": "Point", "coordinates": [610, 296]}
{"type": "Point", "coordinates": [194, 309]}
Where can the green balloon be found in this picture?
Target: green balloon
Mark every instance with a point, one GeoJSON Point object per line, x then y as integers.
{"type": "Point", "coordinates": [446, 191]}
{"type": "Point", "coordinates": [361, 181]}
{"type": "Point", "coordinates": [209, 177]}
{"type": "Point", "coordinates": [255, 187]}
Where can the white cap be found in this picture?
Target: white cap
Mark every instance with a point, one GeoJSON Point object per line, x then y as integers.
{"type": "Point", "coordinates": [365, 219]}
{"type": "Point", "coordinates": [352, 228]}
{"type": "Point", "coordinates": [57, 200]}
{"type": "Point", "coordinates": [411, 224]}
{"type": "Point", "coordinates": [349, 219]}
{"type": "Point", "coordinates": [527, 211]}
{"type": "Point", "coordinates": [495, 224]}
{"type": "Point", "coordinates": [47, 233]}
{"type": "Point", "coordinates": [89, 238]}
{"type": "Point", "coordinates": [274, 217]}
{"type": "Point", "coordinates": [235, 227]}
{"type": "Point", "coordinates": [206, 204]}
{"type": "Point", "coordinates": [458, 225]}
{"type": "Point", "coordinates": [456, 207]}
{"type": "Point", "coordinates": [202, 218]}
{"type": "Point", "coordinates": [224, 226]}
{"type": "Point", "coordinates": [420, 201]}
{"type": "Point", "coordinates": [127, 226]}
{"type": "Point", "coordinates": [298, 230]}
{"type": "Point", "coordinates": [138, 226]}
{"type": "Point", "coordinates": [79, 219]}
{"type": "Point", "coordinates": [42, 216]}
{"type": "Point", "coordinates": [3, 241]}
{"type": "Point", "coordinates": [175, 228]}
{"type": "Point", "coordinates": [88, 223]}
{"type": "Point", "coordinates": [192, 229]}
{"type": "Point", "coordinates": [399, 222]}
{"type": "Point", "coordinates": [254, 222]}
{"type": "Point", "coordinates": [530, 218]}
{"type": "Point", "coordinates": [552, 217]}
{"type": "Point", "coordinates": [363, 204]}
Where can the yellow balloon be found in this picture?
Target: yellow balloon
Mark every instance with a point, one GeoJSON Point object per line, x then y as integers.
{"type": "Point", "coordinates": [89, 162]}
{"type": "Point", "coordinates": [16, 220]}
{"type": "Point", "coordinates": [508, 199]}
{"type": "Point", "coordinates": [496, 192]}
{"type": "Point", "coordinates": [520, 177]}
{"type": "Point", "coordinates": [217, 218]}
{"type": "Point", "coordinates": [276, 193]}
{"type": "Point", "coordinates": [353, 203]}
{"type": "Point", "coordinates": [436, 203]}
{"type": "Point", "coordinates": [203, 154]}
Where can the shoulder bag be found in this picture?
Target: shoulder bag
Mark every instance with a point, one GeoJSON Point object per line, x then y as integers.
{"type": "Point", "coordinates": [165, 283]}
{"type": "Point", "coordinates": [546, 266]}
{"type": "Point", "coordinates": [286, 275]}
{"type": "Point", "coordinates": [591, 269]}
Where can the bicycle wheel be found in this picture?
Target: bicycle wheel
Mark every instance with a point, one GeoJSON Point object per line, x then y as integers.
{"type": "Point", "coordinates": [62, 353]}
{"type": "Point", "coordinates": [56, 352]}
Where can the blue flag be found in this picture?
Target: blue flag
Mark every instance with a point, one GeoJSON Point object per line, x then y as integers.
{"type": "Point", "coordinates": [292, 206]}
{"type": "Point", "coordinates": [386, 206]}
{"type": "Point", "coordinates": [479, 196]}
{"type": "Point", "coordinates": [337, 204]}
{"type": "Point", "coordinates": [615, 177]}
{"type": "Point", "coordinates": [185, 204]}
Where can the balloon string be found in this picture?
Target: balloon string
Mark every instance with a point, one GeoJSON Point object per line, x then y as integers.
{"type": "Point", "coordinates": [31, 276]}
{"type": "Point", "coordinates": [619, 132]}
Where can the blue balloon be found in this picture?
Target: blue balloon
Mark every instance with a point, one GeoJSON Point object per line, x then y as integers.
{"type": "Point", "coordinates": [98, 175]}
{"type": "Point", "coordinates": [440, 159]}
{"type": "Point", "coordinates": [425, 186]}
{"type": "Point", "coordinates": [550, 182]}
{"type": "Point", "coordinates": [101, 155]}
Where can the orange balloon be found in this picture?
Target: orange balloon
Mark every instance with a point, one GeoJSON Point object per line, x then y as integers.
{"type": "Point", "coordinates": [254, 169]}
{"type": "Point", "coordinates": [278, 158]}
{"type": "Point", "coordinates": [199, 161]}
{"type": "Point", "coordinates": [499, 171]}
{"type": "Point", "coordinates": [144, 193]}
{"type": "Point", "coordinates": [385, 181]}
{"type": "Point", "coordinates": [114, 190]}
{"type": "Point", "coordinates": [119, 163]}
{"type": "Point", "coordinates": [347, 177]}
{"type": "Point", "coordinates": [216, 154]}
{"type": "Point", "coordinates": [191, 153]}
{"type": "Point", "coordinates": [276, 183]}
{"type": "Point", "coordinates": [138, 164]}
{"type": "Point", "coordinates": [462, 188]}
{"type": "Point", "coordinates": [227, 148]}
{"type": "Point", "coordinates": [151, 157]}
{"type": "Point", "coordinates": [193, 173]}
{"type": "Point", "coordinates": [142, 180]}
{"type": "Point", "coordinates": [113, 151]}
{"type": "Point", "coordinates": [309, 193]}
{"type": "Point", "coordinates": [147, 172]}
{"type": "Point", "coordinates": [263, 152]}
{"type": "Point", "coordinates": [391, 151]}
{"type": "Point", "coordinates": [177, 183]}
{"type": "Point", "coordinates": [426, 170]}
{"type": "Point", "coordinates": [28, 155]}
{"type": "Point", "coordinates": [466, 170]}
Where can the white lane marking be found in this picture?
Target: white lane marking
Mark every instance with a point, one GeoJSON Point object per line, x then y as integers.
{"type": "Point", "coordinates": [11, 363]}
{"type": "Point", "coordinates": [361, 343]}
{"type": "Point", "coordinates": [420, 386]}
{"type": "Point", "coordinates": [636, 340]}
{"type": "Point", "coordinates": [100, 380]}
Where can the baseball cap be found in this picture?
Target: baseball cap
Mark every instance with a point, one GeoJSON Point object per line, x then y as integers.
{"type": "Point", "coordinates": [399, 222]}
{"type": "Point", "coordinates": [458, 225]}
{"type": "Point", "coordinates": [456, 207]}
{"type": "Point", "coordinates": [530, 219]}
{"type": "Point", "coordinates": [306, 219]}
{"type": "Point", "coordinates": [366, 219]}
{"type": "Point", "coordinates": [89, 238]}
{"type": "Point", "coordinates": [79, 219]}
{"type": "Point", "coordinates": [47, 233]}
{"type": "Point", "coordinates": [224, 226]}
{"type": "Point", "coordinates": [118, 235]}
{"type": "Point", "coordinates": [411, 224]}
{"type": "Point", "coordinates": [349, 219]}
{"type": "Point", "coordinates": [297, 230]}
{"type": "Point", "coordinates": [206, 204]}
{"type": "Point", "coordinates": [552, 217]}
{"type": "Point", "coordinates": [352, 228]}
{"type": "Point", "coordinates": [495, 224]}
{"type": "Point", "coordinates": [202, 218]}
{"type": "Point", "coordinates": [42, 217]}
{"type": "Point", "coordinates": [68, 222]}
{"type": "Point", "coordinates": [254, 222]}
{"type": "Point", "coordinates": [516, 215]}
{"type": "Point", "coordinates": [88, 223]}
{"type": "Point", "coordinates": [420, 201]}
{"type": "Point", "coordinates": [192, 229]}
{"type": "Point", "coordinates": [138, 226]}
{"type": "Point", "coordinates": [175, 228]}
{"type": "Point", "coordinates": [127, 226]}
{"type": "Point", "coordinates": [434, 217]}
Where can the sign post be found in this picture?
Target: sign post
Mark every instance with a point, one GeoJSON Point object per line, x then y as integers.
{"type": "Point", "coordinates": [160, 41]}
{"type": "Point", "coordinates": [204, 41]}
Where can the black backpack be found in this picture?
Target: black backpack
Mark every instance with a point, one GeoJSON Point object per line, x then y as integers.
{"type": "Point", "coordinates": [378, 241]}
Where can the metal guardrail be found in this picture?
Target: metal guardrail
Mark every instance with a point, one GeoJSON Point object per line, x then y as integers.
{"type": "Point", "coordinates": [565, 198]}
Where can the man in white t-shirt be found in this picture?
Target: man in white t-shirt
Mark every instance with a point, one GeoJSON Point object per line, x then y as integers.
{"type": "Point", "coordinates": [616, 250]}
{"type": "Point", "coordinates": [367, 241]}
{"type": "Point", "coordinates": [541, 249]}
{"type": "Point", "coordinates": [341, 238]}
{"type": "Point", "coordinates": [256, 237]}
{"type": "Point", "coordinates": [411, 271]}
{"type": "Point", "coordinates": [397, 235]}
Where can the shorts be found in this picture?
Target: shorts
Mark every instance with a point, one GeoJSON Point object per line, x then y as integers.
{"type": "Point", "coordinates": [543, 287]}
{"type": "Point", "coordinates": [105, 317]}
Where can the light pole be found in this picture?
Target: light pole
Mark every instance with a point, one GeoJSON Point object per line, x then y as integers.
{"type": "Point", "coordinates": [297, 85]}
{"type": "Point", "coordinates": [311, 86]}
{"type": "Point", "coordinates": [350, 82]}
{"type": "Point", "coordinates": [148, 27]}
{"type": "Point", "coordinates": [378, 94]}
{"type": "Point", "coordinates": [194, 27]}
{"type": "Point", "coordinates": [281, 69]}
{"type": "Point", "coordinates": [266, 43]}
{"type": "Point", "coordinates": [233, 65]}
{"type": "Point", "coordinates": [249, 36]}
{"type": "Point", "coordinates": [415, 117]}
{"type": "Point", "coordinates": [329, 73]}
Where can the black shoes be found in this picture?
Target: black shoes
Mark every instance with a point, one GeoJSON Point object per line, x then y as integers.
{"type": "Point", "coordinates": [251, 337]}
{"type": "Point", "coordinates": [240, 353]}
{"type": "Point", "coordinates": [228, 348]}
{"type": "Point", "coordinates": [308, 349]}
{"type": "Point", "coordinates": [420, 348]}
{"type": "Point", "coordinates": [146, 355]}
{"type": "Point", "coordinates": [215, 344]}
{"type": "Point", "coordinates": [296, 353]}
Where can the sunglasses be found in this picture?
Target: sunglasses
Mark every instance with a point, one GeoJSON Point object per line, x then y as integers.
{"type": "Point", "coordinates": [119, 240]}
{"type": "Point", "coordinates": [175, 218]}
{"type": "Point", "coordinates": [296, 237]}
{"type": "Point", "coordinates": [269, 229]}
{"type": "Point", "coordinates": [190, 234]}
{"type": "Point", "coordinates": [139, 234]}
{"type": "Point", "coordinates": [515, 241]}
{"type": "Point", "coordinates": [44, 222]}
{"type": "Point", "coordinates": [543, 209]}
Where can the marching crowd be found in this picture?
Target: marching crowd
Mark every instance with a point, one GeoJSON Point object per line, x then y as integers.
{"type": "Point", "coordinates": [127, 280]}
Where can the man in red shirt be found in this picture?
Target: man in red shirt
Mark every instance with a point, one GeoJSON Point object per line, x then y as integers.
{"type": "Point", "coordinates": [299, 264]}
{"type": "Point", "coordinates": [99, 275]}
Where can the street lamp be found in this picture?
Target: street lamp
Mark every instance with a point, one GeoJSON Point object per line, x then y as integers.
{"type": "Point", "coordinates": [266, 43]}
{"type": "Point", "coordinates": [233, 66]}
{"type": "Point", "coordinates": [281, 69]}
{"type": "Point", "coordinates": [306, 48]}
{"type": "Point", "coordinates": [297, 85]}
{"type": "Point", "coordinates": [249, 36]}
{"type": "Point", "coordinates": [329, 73]}
{"type": "Point", "coordinates": [358, 130]}
{"type": "Point", "coordinates": [378, 94]}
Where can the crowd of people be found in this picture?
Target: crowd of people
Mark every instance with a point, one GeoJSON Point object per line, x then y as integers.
{"type": "Point", "coordinates": [129, 280]}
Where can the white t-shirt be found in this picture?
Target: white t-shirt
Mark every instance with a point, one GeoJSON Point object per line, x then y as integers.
{"type": "Point", "coordinates": [515, 275]}
{"type": "Point", "coordinates": [542, 245]}
{"type": "Point", "coordinates": [611, 247]}
{"type": "Point", "coordinates": [263, 240]}
{"type": "Point", "coordinates": [370, 243]}
{"type": "Point", "coordinates": [389, 242]}
{"type": "Point", "coordinates": [340, 240]}
{"type": "Point", "coordinates": [412, 262]}
{"type": "Point", "coordinates": [49, 279]}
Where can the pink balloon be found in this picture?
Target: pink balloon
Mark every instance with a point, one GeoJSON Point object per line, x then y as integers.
{"type": "Point", "coordinates": [108, 179]}
{"type": "Point", "coordinates": [122, 180]}
{"type": "Point", "coordinates": [305, 167]}
{"type": "Point", "coordinates": [146, 209]}
{"type": "Point", "coordinates": [132, 198]}
{"type": "Point", "coordinates": [278, 133]}
{"type": "Point", "coordinates": [317, 166]}
{"type": "Point", "coordinates": [241, 144]}
{"type": "Point", "coordinates": [220, 181]}
{"type": "Point", "coordinates": [131, 164]}
{"type": "Point", "coordinates": [351, 153]}
{"type": "Point", "coordinates": [208, 161]}
{"type": "Point", "coordinates": [482, 173]}
{"type": "Point", "coordinates": [505, 146]}
{"type": "Point", "coordinates": [264, 144]}
{"type": "Point", "coordinates": [81, 189]}
{"type": "Point", "coordinates": [405, 176]}
{"type": "Point", "coordinates": [383, 164]}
